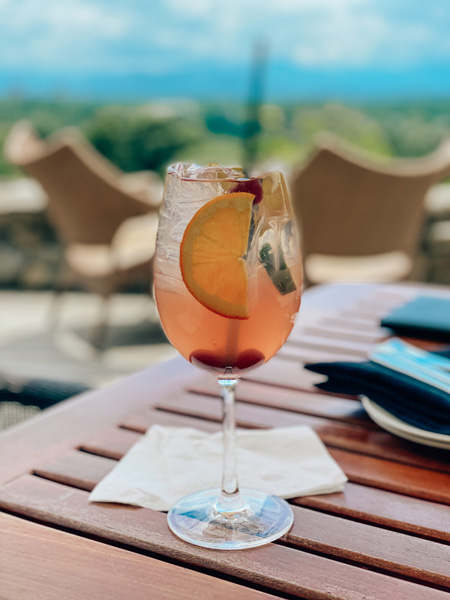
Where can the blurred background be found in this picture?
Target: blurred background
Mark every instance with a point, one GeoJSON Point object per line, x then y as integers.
{"type": "Point", "coordinates": [235, 82]}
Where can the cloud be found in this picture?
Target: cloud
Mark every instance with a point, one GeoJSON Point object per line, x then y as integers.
{"type": "Point", "coordinates": [166, 35]}
{"type": "Point", "coordinates": [366, 38]}
{"type": "Point", "coordinates": [68, 33]}
{"type": "Point", "coordinates": [55, 16]}
{"type": "Point", "coordinates": [316, 33]}
{"type": "Point", "coordinates": [253, 8]}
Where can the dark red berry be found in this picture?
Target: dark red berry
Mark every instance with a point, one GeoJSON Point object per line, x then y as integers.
{"type": "Point", "coordinates": [216, 363]}
{"type": "Point", "coordinates": [250, 186]}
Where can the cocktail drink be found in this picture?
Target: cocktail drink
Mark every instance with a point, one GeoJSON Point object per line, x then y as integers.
{"type": "Point", "coordinates": [227, 286]}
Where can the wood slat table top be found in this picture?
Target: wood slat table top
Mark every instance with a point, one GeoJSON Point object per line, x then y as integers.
{"type": "Point", "coordinates": [386, 535]}
{"type": "Point", "coordinates": [60, 566]}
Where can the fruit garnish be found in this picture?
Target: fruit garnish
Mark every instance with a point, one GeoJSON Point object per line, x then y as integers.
{"type": "Point", "coordinates": [250, 186]}
{"type": "Point", "coordinates": [212, 251]}
{"type": "Point", "coordinates": [281, 277]}
{"type": "Point", "coordinates": [276, 196]}
{"type": "Point", "coordinates": [205, 359]}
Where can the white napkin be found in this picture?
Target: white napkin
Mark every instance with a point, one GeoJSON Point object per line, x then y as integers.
{"type": "Point", "coordinates": [171, 462]}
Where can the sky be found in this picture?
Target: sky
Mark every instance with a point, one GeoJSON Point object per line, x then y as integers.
{"type": "Point", "coordinates": [153, 49]}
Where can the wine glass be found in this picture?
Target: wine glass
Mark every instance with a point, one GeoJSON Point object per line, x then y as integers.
{"type": "Point", "coordinates": [227, 286]}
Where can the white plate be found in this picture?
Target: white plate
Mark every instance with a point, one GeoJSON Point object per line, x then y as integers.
{"type": "Point", "coordinates": [394, 425]}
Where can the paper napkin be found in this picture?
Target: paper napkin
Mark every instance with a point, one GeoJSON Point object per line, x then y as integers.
{"type": "Point", "coordinates": [171, 462]}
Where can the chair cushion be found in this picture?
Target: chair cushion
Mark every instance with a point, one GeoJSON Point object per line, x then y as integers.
{"type": "Point", "coordinates": [392, 266]}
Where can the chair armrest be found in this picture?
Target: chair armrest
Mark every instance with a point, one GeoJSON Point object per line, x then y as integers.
{"type": "Point", "coordinates": [146, 185]}
{"type": "Point", "coordinates": [22, 145]}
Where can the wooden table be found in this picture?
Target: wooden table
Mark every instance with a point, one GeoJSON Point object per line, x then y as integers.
{"type": "Point", "coordinates": [386, 536]}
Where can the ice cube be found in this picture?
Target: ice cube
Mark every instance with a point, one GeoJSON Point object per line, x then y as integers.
{"type": "Point", "coordinates": [213, 171]}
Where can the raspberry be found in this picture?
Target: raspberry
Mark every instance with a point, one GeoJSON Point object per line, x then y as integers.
{"type": "Point", "coordinates": [251, 186]}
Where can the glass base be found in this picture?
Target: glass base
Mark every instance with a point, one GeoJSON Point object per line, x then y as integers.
{"type": "Point", "coordinates": [262, 519]}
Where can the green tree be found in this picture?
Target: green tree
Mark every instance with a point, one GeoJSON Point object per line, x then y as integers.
{"type": "Point", "coordinates": [135, 140]}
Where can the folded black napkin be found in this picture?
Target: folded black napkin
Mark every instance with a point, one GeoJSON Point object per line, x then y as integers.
{"type": "Point", "coordinates": [412, 401]}
{"type": "Point", "coordinates": [426, 317]}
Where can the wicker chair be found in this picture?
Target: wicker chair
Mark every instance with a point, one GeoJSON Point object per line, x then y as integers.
{"type": "Point", "coordinates": [360, 219]}
{"type": "Point", "coordinates": [106, 219]}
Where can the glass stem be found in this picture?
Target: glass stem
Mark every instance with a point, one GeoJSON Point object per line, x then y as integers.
{"type": "Point", "coordinates": [230, 499]}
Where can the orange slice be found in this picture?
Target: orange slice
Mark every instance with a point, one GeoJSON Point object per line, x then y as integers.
{"type": "Point", "coordinates": [211, 254]}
